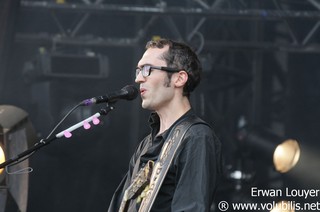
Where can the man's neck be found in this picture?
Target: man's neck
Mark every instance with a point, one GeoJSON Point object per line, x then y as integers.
{"type": "Point", "coordinates": [171, 114]}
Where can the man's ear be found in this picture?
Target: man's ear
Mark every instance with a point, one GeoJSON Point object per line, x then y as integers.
{"type": "Point", "coordinates": [181, 78]}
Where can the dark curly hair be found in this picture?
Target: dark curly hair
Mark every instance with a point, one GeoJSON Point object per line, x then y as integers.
{"type": "Point", "coordinates": [180, 56]}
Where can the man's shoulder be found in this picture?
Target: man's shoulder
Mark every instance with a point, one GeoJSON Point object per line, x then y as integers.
{"type": "Point", "coordinates": [197, 122]}
{"type": "Point", "coordinates": [200, 128]}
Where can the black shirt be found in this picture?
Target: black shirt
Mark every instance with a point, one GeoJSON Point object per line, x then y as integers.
{"type": "Point", "coordinates": [191, 180]}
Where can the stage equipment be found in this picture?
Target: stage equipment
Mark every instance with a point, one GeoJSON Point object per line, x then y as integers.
{"type": "Point", "coordinates": [51, 65]}
{"type": "Point", "coordinates": [282, 153]}
{"type": "Point", "coordinates": [128, 92]}
{"type": "Point", "coordinates": [284, 206]}
{"type": "Point", "coordinates": [16, 134]}
{"type": "Point", "coordinates": [2, 158]}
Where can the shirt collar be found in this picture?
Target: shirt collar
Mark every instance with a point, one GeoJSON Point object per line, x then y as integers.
{"type": "Point", "coordinates": [154, 121]}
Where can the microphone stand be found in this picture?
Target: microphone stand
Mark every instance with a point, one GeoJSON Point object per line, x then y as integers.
{"type": "Point", "coordinates": [45, 142]}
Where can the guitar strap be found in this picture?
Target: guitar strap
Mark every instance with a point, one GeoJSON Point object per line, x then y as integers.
{"type": "Point", "coordinates": [165, 159]}
{"type": "Point", "coordinates": [137, 184]}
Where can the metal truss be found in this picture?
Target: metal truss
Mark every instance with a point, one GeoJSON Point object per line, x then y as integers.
{"type": "Point", "coordinates": [281, 12]}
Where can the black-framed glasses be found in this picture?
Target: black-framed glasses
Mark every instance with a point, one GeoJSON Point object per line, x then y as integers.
{"type": "Point", "coordinates": [146, 70]}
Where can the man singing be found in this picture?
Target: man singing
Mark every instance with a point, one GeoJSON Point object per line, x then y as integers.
{"type": "Point", "coordinates": [176, 167]}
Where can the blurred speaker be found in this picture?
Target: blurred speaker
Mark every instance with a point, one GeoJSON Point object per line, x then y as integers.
{"type": "Point", "coordinates": [16, 134]}
{"type": "Point", "coordinates": [66, 66]}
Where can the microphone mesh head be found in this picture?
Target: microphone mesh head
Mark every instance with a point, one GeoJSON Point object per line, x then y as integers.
{"type": "Point", "coordinates": [132, 92]}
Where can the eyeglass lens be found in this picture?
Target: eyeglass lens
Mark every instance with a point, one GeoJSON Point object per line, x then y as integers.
{"type": "Point", "coordinates": [145, 71]}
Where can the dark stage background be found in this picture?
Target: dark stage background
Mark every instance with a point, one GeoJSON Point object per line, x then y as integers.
{"type": "Point", "coordinates": [261, 68]}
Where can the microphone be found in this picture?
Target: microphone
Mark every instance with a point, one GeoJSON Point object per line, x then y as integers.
{"type": "Point", "coordinates": [128, 92]}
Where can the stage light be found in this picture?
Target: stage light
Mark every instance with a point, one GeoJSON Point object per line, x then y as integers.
{"type": "Point", "coordinates": [2, 156]}
{"type": "Point", "coordinates": [16, 134]}
{"type": "Point", "coordinates": [283, 206]}
{"type": "Point", "coordinates": [283, 154]}
{"type": "Point", "coordinates": [286, 155]}
{"type": "Point", "coordinates": [2, 159]}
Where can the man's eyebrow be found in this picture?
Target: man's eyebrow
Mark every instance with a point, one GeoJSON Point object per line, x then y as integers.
{"type": "Point", "coordinates": [146, 64]}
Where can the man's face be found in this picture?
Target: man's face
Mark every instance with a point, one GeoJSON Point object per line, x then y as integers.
{"type": "Point", "coordinates": [156, 89]}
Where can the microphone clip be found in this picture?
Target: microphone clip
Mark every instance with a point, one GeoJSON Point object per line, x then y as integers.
{"type": "Point", "coordinates": [109, 107]}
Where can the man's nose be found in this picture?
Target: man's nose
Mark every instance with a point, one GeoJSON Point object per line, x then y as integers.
{"type": "Point", "coordinates": [140, 78]}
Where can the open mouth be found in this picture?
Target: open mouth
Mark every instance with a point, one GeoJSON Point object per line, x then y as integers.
{"type": "Point", "coordinates": [142, 91]}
